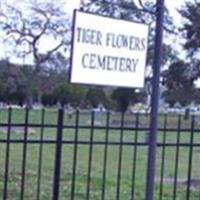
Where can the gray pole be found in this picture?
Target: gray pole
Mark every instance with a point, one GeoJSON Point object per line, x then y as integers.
{"type": "Point", "coordinates": [155, 101]}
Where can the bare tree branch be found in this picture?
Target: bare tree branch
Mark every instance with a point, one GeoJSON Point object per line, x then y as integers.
{"type": "Point", "coordinates": [43, 21]}
{"type": "Point", "coordinates": [50, 52]}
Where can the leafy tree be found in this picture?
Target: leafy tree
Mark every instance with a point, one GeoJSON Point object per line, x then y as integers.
{"type": "Point", "coordinates": [78, 95]}
{"type": "Point", "coordinates": [16, 82]}
{"type": "Point", "coordinates": [2, 91]}
{"type": "Point", "coordinates": [125, 96]}
{"type": "Point", "coordinates": [69, 94]}
{"type": "Point", "coordinates": [95, 96]}
{"type": "Point", "coordinates": [179, 86]}
{"type": "Point", "coordinates": [190, 30]}
{"type": "Point", "coordinates": [48, 99]}
{"type": "Point", "coordinates": [191, 26]}
{"type": "Point", "coordinates": [63, 93]}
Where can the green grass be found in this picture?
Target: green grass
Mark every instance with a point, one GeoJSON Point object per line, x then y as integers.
{"type": "Point", "coordinates": [31, 178]}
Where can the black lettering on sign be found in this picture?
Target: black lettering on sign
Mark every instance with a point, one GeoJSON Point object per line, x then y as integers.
{"type": "Point", "coordinates": [122, 66]}
{"type": "Point", "coordinates": [101, 61]}
{"type": "Point", "coordinates": [122, 41]}
{"type": "Point", "coordinates": [89, 36]}
{"type": "Point", "coordinates": [92, 61]}
{"type": "Point", "coordinates": [143, 43]}
{"type": "Point", "coordinates": [134, 64]}
{"type": "Point", "coordinates": [109, 63]}
{"type": "Point", "coordinates": [128, 65]}
{"type": "Point", "coordinates": [84, 60]}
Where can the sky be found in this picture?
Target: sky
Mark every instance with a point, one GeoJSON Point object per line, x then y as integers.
{"type": "Point", "coordinates": [173, 5]}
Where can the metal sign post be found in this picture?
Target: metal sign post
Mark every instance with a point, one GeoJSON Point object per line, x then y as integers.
{"type": "Point", "coordinates": [155, 101]}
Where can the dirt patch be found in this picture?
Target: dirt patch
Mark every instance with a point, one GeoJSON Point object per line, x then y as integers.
{"type": "Point", "coordinates": [17, 130]}
{"type": "Point", "coordinates": [181, 182]}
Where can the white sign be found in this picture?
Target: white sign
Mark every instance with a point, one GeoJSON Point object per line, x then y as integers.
{"type": "Point", "coordinates": [108, 51]}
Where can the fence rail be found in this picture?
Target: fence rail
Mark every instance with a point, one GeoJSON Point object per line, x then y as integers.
{"type": "Point", "coordinates": [50, 154]}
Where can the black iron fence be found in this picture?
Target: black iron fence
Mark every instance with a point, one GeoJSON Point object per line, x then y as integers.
{"type": "Point", "coordinates": [54, 154]}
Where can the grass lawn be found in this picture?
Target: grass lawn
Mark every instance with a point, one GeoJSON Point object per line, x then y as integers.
{"type": "Point", "coordinates": [128, 169]}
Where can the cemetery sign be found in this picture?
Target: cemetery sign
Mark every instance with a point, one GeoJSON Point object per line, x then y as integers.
{"type": "Point", "coordinates": [107, 51]}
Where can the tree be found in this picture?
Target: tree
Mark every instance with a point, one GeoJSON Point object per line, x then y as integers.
{"type": "Point", "coordinates": [63, 94]}
{"type": "Point", "coordinates": [125, 96]}
{"type": "Point", "coordinates": [177, 82]}
{"type": "Point", "coordinates": [28, 27]}
{"type": "Point", "coordinates": [190, 31]}
{"type": "Point", "coordinates": [191, 26]}
{"type": "Point", "coordinates": [95, 96]}
{"type": "Point", "coordinates": [78, 96]}
{"type": "Point", "coordinates": [48, 99]}
{"type": "Point", "coordinates": [69, 94]}
{"type": "Point", "coordinates": [16, 81]}
{"type": "Point", "coordinates": [2, 91]}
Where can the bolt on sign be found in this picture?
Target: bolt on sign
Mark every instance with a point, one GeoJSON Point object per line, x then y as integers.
{"type": "Point", "coordinates": [107, 51]}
